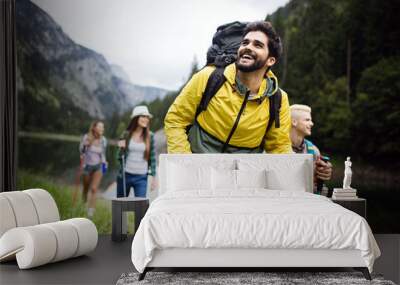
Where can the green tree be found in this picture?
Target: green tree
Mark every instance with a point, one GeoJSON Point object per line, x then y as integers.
{"type": "Point", "coordinates": [333, 118]}
{"type": "Point", "coordinates": [377, 111]}
{"type": "Point", "coordinates": [329, 47]}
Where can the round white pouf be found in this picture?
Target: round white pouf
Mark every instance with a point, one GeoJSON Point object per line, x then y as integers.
{"type": "Point", "coordinates": [46, 207]}
{"type": "Point", "coordinates": [87, 235]}
{"type": "Point", "coordinates": [67, 240]}
{"type": "Point", "coordinates": [23, 208]}
{"type": "Point", "coordinates": [7, 216]}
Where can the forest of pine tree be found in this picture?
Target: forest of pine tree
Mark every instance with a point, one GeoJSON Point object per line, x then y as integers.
{"type": "Point", "coordinates": [341, 58]}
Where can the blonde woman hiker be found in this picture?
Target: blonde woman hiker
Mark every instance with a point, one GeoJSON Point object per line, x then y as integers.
{"type": "Point", "coordinates": [93, 153]}
{"type": "Point", "coordinates": [136, 155]}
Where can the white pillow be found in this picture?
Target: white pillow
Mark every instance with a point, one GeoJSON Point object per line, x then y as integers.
{"type": "Point", "coordinates": [281, 174]}
{"type": "Point", "coordinates": [223, 179]}
{"type": "Point", "coordinates": [183, 177]}
{"type": "Point", "coordinates": [279, 180]}
{"type": "Point", "coordinates": [251, 178]}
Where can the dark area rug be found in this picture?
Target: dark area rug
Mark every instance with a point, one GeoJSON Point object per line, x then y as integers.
{"type": "Point", "coordinates": [229, 278]}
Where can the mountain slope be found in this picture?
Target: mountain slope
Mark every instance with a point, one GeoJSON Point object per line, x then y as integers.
{"type": "Point", "coordinates": [63, 85]}
{"type": "Point", "coordinates": [57, 71]}
{"type": "Point", "coordinates": [135, 93]}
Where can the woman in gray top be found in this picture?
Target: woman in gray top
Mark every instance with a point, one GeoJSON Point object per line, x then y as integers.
{"type": "Point", "coordinates": [93, 153]}
{"type": "Point", "coordinates": [136, 155]}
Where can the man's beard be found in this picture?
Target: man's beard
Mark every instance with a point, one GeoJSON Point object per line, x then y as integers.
{"type": "Point", "coordinates": [257, 64]}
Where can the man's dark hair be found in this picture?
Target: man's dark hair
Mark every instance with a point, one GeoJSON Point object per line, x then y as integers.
{"type": "Point", "coordinates": [274, 41]}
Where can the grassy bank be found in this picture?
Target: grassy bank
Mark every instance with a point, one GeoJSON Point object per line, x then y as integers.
{"type": "Point", "coordinates": [62, 194]}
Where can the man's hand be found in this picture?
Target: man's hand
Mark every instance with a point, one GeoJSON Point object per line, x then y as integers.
{"type": "Point", "coordinates": [323, 170]}
{"type": "Point", "coordinates": [121, 144]}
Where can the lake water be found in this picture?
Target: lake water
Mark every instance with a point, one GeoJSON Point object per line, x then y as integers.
{"type": "Point", "coordinates": [60, 160]}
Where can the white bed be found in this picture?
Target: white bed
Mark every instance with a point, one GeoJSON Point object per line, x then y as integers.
{"type": "Point", "coordinates": [247, 211]}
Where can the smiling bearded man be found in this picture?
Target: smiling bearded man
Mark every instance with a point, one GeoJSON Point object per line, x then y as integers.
{"type": "Point", "coordinates": [238, 118]}
{"type": "Point", "coordinates": [255, 61]}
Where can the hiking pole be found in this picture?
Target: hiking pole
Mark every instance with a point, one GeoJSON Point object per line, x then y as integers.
{"type": "Point", "coordinates": [123, 174]}
{"type": "Point", "coordinates": [77, 181]}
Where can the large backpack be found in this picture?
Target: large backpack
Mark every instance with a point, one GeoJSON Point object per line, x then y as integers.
{"type": "Point", "coordinates": [223, 51]}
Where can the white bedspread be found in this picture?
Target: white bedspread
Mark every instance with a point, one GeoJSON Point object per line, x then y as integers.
{"type": "Point", "coordinates": [252, 218]}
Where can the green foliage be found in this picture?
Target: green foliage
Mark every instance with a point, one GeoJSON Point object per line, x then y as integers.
{"type": "Point", "coordinates": [377, 110]}
{"type": "Point", "coordinates": [341, 58]}
{"type": "Point", "coordinates": [309, 48]}
{"type": "Point", "coordinates": [160, 108]}
{"type": "Point", "coordinates": [372, 27]}
{"type": "Point", "coordinates": [333, 117]}
{"type": "Point", "coordinates": [115, 126]}
{"type": "Point", "coordinates": [102, 216]}
{"type": "Point", "coordinates": [62, 195]}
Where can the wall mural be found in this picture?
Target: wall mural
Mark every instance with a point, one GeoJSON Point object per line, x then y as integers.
{"type": "Point", "coordinates": [346, 75]}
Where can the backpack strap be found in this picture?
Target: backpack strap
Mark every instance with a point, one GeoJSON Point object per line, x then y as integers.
{"type": "Point", "coordinates": [246, 97]}
{"type": "Point", "coordinates": [310, 147]}
{"type": "Point", "coordinates": [214, 83]}
{"type": "Point", "coordinates": [275, 103]}
{"type": "Point", "coordinates": [104, 142]}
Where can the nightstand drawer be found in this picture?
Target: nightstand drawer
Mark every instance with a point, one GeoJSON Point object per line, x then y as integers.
{"type": "Point", "coordinates": [358, 206]}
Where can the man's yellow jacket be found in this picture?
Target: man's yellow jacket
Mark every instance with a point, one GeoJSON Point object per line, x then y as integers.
{"type": "Point", "coordinates": [222, 111]}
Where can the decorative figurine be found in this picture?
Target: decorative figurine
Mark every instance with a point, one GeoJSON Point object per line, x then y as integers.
{"type": "Point", "coordinates": [347, 174]}
{"type": "Point", "coordinates": [347, 192]}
